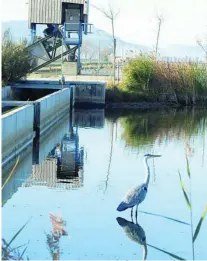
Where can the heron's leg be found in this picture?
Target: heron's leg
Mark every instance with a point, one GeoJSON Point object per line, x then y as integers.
{"type": "Point", "coordinates": [136, 214]}
{"type": "Point", "coordinates": [132, 214]}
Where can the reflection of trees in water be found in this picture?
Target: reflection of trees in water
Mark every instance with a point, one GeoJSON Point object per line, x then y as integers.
{"type": "Point", "coordinates": [204, 135]}
{"type": "Point", "coordinates": [110, 157]}
{"type": "Point", "coordinates": [141, 129]}
{"type": "Point", "coordinates": [104, 185]}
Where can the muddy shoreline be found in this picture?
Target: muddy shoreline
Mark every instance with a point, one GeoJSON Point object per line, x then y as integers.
{"type": "Point", "coordinates": [142, 105]}
{"type": "Point", "coordinates": [152, 105]}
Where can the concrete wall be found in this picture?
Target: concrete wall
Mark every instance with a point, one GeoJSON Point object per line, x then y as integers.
{"type": "Point", "coordinates": [21, 173]}
{"type": "Point", "coordinates": [6, 93]}
{"type": "Point", "coordinates": [17, 131]}
{"type": "Point", "coordinates": [51, 108]}
{"type": "Point", "coordinates": [18, 126]}
{"type": "Point", "coordinates": [89, 93]}
{"type": "Point", "coordinates": [70, 68]}
{"type": "Point", "coordinates": [93, 118]}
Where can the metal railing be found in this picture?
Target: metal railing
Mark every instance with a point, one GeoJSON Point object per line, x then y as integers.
{"type": "Point", "coordinates": [75, 29]}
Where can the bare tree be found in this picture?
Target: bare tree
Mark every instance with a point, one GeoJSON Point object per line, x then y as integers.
{"type": "Point", "coordinates": [160, 20]}
{"type": "Point", "coordinates": [104, 54]}
{"type": "Point", "coordinates": [203, 46]}
{"type": "Point", "coordinates": [111, 14]}
{"type": "Point", "coordinates": [88, 50]}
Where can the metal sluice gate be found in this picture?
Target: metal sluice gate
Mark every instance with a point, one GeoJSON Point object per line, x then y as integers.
{"type": "Point", "coordinates": [49, 49]}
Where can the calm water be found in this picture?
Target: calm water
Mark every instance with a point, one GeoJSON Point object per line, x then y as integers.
{"type": "Point", "coordinates": [84, 177]}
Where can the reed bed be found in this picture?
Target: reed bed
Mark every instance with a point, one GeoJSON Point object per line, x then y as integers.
{"type": "Point", "coordinates": [177, 82]}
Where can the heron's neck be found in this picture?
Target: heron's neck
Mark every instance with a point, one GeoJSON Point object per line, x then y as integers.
{"type": "Point", "coordinates": [147, 173]}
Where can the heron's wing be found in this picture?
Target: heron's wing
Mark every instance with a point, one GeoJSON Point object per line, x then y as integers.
{"type": "Point", "coordinates": [132, 196]}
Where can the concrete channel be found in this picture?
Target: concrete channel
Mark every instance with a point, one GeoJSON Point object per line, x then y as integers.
{"type": "Point", "coordinates": [33, 120]}
{"type": "Point", "coordinates": [83, 93]}
{"type": "Point", "coordinates": [17, 132]}
{"type": "Point", "coordinates": [20, 126]}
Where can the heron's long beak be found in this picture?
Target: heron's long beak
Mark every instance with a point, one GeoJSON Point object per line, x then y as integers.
{"type": "Point", "coordinates": [155, 156]}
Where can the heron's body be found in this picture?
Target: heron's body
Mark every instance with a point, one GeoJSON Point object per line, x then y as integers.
{"type": "Point", "coordinates": [133, 197]}
{"type": "Point", "coordinates": [136, 195]}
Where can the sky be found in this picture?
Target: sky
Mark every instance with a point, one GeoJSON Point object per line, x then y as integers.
{"type": "Point", "coordinates": [184, 21]}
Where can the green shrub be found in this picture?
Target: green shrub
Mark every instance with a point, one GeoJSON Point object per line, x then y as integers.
{"type": "Point", "coordinates": [15, 58]}
{"type": "Point", "coordinates": [117, 94]}
{"type": "Point", "coordinates": [137, 74]}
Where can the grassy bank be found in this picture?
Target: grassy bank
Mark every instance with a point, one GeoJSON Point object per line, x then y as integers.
{"type": "Point", "coordinates": [146, 79]}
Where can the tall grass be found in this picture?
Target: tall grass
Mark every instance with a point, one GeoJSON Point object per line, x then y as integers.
{"type": "Point", "coordinates": [188, 200]}
{"type": "Point", "coordinates": [13, 253]}
{"type": "Point", "coordinates": [180, 82]}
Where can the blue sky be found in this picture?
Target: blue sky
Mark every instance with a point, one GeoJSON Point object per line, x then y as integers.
{"type": "Point", "coordinates": [184, 20]}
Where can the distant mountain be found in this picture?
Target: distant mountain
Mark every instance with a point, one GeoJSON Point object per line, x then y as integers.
{"type": "Point", "coordinates": [19, 29]}
{"type": "Point", "coordinates": [105, 40]}
{"type": "Point", "coordinates": [183, 51]}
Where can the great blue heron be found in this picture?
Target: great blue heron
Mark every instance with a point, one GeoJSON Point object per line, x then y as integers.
{"type": "Point", "coordinates": [135, 233]}
{"type": "Point", "coordinates": [136, 195]}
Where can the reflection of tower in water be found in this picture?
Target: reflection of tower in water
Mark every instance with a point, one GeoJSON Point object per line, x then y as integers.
{"type": "Point", "coordinates": [70, 159]}
{"type": "Point", "coordinates": [63, 168]}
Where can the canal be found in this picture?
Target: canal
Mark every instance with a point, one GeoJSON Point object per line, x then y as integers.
{"type": "Point", "coordinates": [67, 186]}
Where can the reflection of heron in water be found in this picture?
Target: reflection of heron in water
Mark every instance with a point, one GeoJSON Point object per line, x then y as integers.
{"type": "Point", "coordinates": [135, 233]}
{"type": "Point", "coordinates": [136, 195]}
